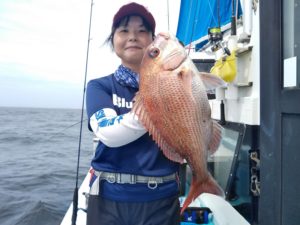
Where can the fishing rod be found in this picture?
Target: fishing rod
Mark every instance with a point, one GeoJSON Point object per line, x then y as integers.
{"type": "Point", "coordinates": [75, 195]}
{"type": "Point", "coordinates": [64, 129]}
{"type": "Point", "coordinates": [233, 17]}
{"type": "Point", "coordinates": [215, 32]}
{"type": "Point", "coordinates": [168, 11]}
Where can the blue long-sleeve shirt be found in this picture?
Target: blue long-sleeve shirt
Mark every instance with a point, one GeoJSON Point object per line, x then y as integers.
{"type": "Point", "coordinates": [141, 156]}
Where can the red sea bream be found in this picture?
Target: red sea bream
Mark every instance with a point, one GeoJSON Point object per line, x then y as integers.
{"type": "Point", "coordinates": [172, 104]}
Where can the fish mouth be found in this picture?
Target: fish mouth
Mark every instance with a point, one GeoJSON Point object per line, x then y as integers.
{"type": "Point", "coordinates": [175, 55]}
{"type": "Point", "coordinates": [174, 60]}
{"type": "Point", "coordinates": [165, 35]}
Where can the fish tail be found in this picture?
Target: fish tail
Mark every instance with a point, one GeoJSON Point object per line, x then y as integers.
{"type": "Point", "coordinates": [199, 186]}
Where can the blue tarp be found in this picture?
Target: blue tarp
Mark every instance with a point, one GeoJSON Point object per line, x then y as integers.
{"type": "Point", "coordinates": [197, 16]}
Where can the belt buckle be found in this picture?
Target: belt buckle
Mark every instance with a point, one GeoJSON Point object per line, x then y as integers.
{"type": "Point", "coordinates": [127, 178]}
{"type": "Point", "coordinates": [133, 179]}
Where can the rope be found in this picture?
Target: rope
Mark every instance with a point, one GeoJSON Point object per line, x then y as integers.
{"type": "Point", "coordinates": [75, 196]}
{"type": "Point", "coordinates": [193, 27]}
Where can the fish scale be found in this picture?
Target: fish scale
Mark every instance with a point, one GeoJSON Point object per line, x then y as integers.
{"type": "Point", "coordinates": [181, 106]}
{"type": "Point", "coordinates": [172, 104]}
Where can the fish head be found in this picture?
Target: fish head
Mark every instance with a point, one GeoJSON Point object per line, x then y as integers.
{"type": "Point", "coordinates": [164, 54]}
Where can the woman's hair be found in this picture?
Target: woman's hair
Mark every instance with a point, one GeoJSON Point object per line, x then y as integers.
{"type": "Point", "coordinates": [124, 21]}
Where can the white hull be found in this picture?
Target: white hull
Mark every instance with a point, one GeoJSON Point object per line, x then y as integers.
{"type": "Point", "coordinates": [223, 213]}
{"type": "Point", "coordinates": [81, 215]}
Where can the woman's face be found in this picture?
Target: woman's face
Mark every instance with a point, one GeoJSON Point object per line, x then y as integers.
{"type": "Point", "coordinates": [130, 42]}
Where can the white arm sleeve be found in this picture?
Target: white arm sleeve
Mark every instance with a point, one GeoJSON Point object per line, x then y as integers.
{"type": "Point", "coordinates": [114, 130]}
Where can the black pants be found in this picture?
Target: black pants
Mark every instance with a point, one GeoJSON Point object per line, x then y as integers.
{"type": "Point", "coordinates": [160, 212]}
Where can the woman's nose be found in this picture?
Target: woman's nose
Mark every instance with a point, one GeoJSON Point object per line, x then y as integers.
{"type": "Point", "coordinates": [132, 36]}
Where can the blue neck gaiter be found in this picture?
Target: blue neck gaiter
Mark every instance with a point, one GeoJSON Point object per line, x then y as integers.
{"type": "Point", "coordinates": [127, 77]}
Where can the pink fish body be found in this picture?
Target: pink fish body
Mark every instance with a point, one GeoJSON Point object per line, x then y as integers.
{"type": "Point", "coordinates": [172, 104]}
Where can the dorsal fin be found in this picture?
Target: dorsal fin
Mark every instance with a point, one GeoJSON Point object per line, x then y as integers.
{"type": "Point", "coordinates": [215, 138]}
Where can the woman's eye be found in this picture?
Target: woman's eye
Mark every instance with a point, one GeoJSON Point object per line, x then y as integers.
{"type": "Point", "coordinates": [122, 30]}
{"type": "Point", "coordinates": [154, 52]}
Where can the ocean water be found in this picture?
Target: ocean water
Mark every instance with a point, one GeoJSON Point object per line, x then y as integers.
{"type": "Point", "coordinates": [38, 161]}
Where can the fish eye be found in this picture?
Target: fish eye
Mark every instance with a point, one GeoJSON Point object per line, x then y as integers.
{"type": "Point", "coordinates": [154, 52]}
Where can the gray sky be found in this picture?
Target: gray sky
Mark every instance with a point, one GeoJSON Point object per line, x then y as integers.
{"type": "Point", "coordinates": [43, 48]}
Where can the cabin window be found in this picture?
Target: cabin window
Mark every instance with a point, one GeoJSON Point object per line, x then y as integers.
{"type": "Point", "coordinates": [291, 44]}
{"type": "Point", "coordinates": [223, 158]}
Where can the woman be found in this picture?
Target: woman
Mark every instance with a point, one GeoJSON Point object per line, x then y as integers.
{"type": "Point", "coordinates": [133, 183]}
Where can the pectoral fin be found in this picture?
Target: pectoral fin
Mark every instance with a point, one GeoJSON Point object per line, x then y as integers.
{"type": "Point", "coordinates": [211, 81]}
